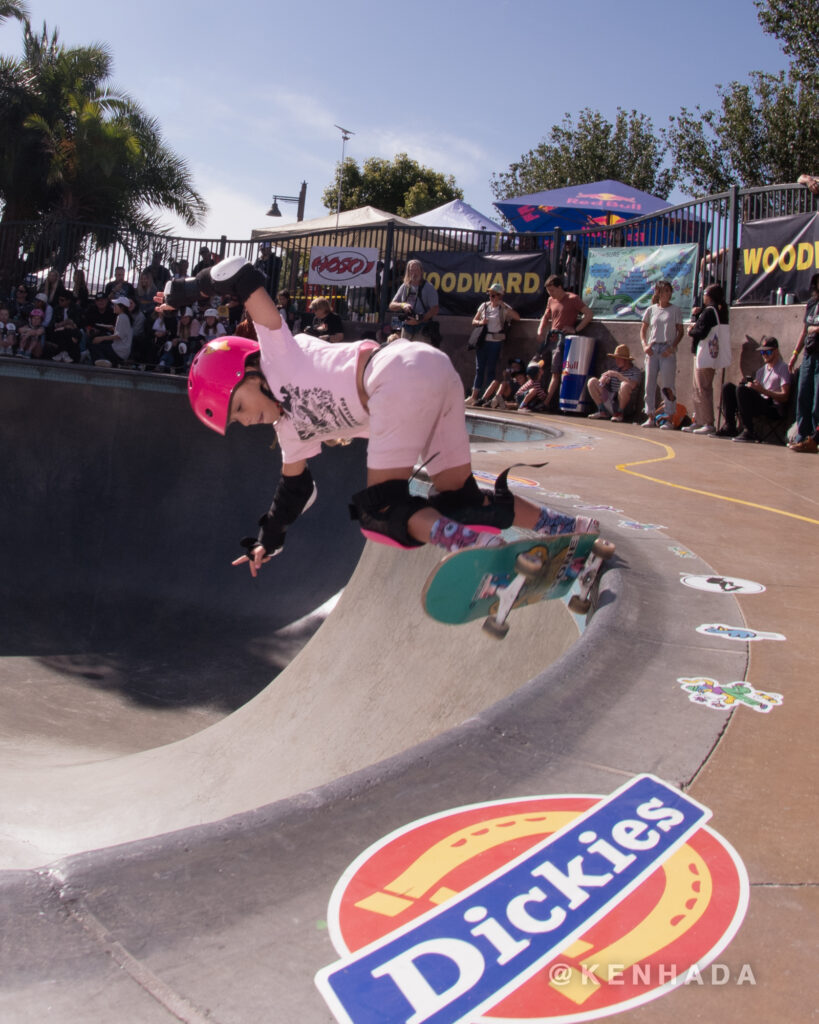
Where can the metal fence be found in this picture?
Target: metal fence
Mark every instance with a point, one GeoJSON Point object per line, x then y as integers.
{"type": "Point", "coordinates": [29, 251]}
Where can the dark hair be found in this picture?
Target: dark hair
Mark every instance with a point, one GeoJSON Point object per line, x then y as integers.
{"type": "Point", "coordinates": [556, 280]}
{"type": "Point", "coordinates": [716, 293]}
{"type": "Point", "coordinates": [767, 342]}
{"type": "Point", "coordinates": [814, 284]}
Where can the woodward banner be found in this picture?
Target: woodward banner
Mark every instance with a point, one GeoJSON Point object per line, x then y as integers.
{"type": "Point", "coordinates": [782, 252]}
{"type": "Point", "coordinates": [462, 279]}
{"type": "Point", "coordinates": [619, 282]}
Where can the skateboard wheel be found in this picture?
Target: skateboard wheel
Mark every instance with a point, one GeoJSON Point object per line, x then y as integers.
{"type": "Point", "coordinates": [531, 566]}
{"type": "Point", "coordinates": [495, 628]}
{"type": "Point", "coordinates": [579, 605]}
{"type": "Point", "coordinates": [603, 548]}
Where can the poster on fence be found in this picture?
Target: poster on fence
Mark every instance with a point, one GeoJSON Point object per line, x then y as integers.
{"type": "Point", "coordinates": [352, 266]}
{"type": "Point", "coordinates": [782, 252]}
{"type": "Point", "coordinates": [618, 283]}
{"type": "Point", "coordinates": [462, 279]}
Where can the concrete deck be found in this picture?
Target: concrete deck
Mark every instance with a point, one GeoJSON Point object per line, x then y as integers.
{"type": "Point", "coordinates": [156, 870]}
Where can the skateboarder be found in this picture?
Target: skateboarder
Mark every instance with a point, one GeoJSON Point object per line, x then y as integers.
{"type": "Point", "coordinates": [406, 398]}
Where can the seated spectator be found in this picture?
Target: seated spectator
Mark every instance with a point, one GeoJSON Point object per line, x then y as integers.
{"type": "Point", "coordinates": [114, 348]}
{"type": "Point", "coordinates": [807, 395]}
{"type": "Point", "coordinates": [212, 327]}
{"type": "Point", "coordinates": [79, 289]}
{"type": "Point", "coordinates": [8, 332]}
{"type": "Point", "coordinates": [31, 335]}
{"type": "Point", "coordinates": [764, 394]}
{"type": "Point", "coordinates": [41, 302]}
{"type": "Point", "coordinates": [182, 345]}
{"type": "Point", "coordinates": [119, 287]}
{"type": "Point", "coordinates": [287, 307]}
{"type": "Point", "coordinates": [52, 287]}
{"type": "Point", "coordinates": [19, 304]}
{"type": "Point", "coordinates": [66, 330]}
{"type": "Point", "coordinates": [612, 391]}
{"type": "Point", "coordinates": [326, 325]}
{"type": "Point", "coordinates": [500, 393]}
{"type": "Point", "coordinates": [99, 322]}
{"type": "Point", "coordinates": [530, 395]}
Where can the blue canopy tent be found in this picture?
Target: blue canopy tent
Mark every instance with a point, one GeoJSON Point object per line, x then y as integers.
{"type": "Point", "coordinates": [579, 206]}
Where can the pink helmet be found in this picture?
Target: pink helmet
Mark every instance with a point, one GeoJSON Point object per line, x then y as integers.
{"type": "Point", "coordinates": [215, 374]}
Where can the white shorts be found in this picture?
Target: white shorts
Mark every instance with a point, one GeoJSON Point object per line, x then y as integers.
{"type": "Point", "coordinates": [416, 401]}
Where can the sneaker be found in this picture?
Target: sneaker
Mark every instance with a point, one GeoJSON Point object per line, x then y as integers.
{"type": "Point", "coordinates": [599, 415]}
{"type": "Point", "coordinates": [725, 432]}
{"type": "Point", "coordinates": [524, 411]}
{"type": "Point", "coordinates": [665, 426]}
{"type": "Point", "coordinates": [706, 428]}
{"type": "Point", "coordinates": [649, 423]}
{"type": "Point", "coordinates": [690, 429]}
{"type": "Point", "coordinates": [746, 437]}
{"type": "Point", "coordinates": [102, 362]}
{"type": "Point", "coordinates": [808, 445]}
{"type": "Point", "coordinates": [471, 401]}
{"type": "Point", "coordinates": [617, 418]}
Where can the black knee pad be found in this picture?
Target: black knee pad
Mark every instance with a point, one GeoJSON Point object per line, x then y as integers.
{"type": "Point", "coordinates": [474, 507]}
{"type": "Point", "coordinates": [387, 508]}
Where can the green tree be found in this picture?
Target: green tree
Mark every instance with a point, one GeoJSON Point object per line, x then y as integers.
{"type": "Point", "coordinates": [594, 149]}
{"type": "Point", "coordinates": [400, 186]}
{"type": "Point", "coordinates": [764, 132]}
{"type": "Point", "coordinates": [77, 151]}
{"type": "Point", "coordinates": [795, 23]}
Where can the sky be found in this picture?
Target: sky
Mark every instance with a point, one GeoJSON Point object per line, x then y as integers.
{"type": "Point", "coordinates": [249, 92]}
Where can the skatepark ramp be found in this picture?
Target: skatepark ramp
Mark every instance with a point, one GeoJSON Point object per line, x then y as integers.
{"type": "Point", "coordinates": [136, 662]}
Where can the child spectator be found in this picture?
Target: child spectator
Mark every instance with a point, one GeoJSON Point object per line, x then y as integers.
{"type": "Point", "coordinates": [8, 332]}
{"type": "Point", "coordinates": [530, 396]}
{"type": "Point", "coordinates": [32, 335]}
{"type": "Point", "coordinates": [187, 335]}
{"type": "Point", "coordinates": [211, 327]}
{"type": "Point", "coordinates": [66, 332]}
{"type": "Point", "coordinates": [99, 323]}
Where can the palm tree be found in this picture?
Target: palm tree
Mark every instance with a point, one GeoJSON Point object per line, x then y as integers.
{"type": "Point", "coordinates": [79, 153]}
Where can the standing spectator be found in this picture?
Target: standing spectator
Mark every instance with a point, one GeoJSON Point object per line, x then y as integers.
{"type": "Point", "coordinates": [612, 391]}
{"type": "Point", "coordinates": [325, 324]}
{"type": "Point", "coordinates": [79, 289]}
{"type": "Point", "coordinates": [66, 330]}
{"type": "Point", "coordinates": [713, 351]}
{"type": "Point", "coordinates": [288, 311]}
{"type": "Point", "coordinates": [120, 287]}
{"type": "Point", "coordinates": [8, 332]}
{"type": "Point", "coordinates": [158, 272]}
{"type": "Point", "coordinates": [415, 303]}
{"type": "Point", "coordinates": [495, 314]}
{"type": "Point", "coordinates": [205, 260]}
{"type": "Point", "coordinates": [660, 334]}
{"type": "Point", "coordinates": [807, 394]}
{"type": "Point", "coordinates": [764, 394]}
{"type": "Point", "coordinates": [52, 287]}
{"type": "Point", "coordinates": [567, 313]}
{"type": "Point", "coordinates": [32, 335]}
{"type": "Point", "coordinates": [810, 182]}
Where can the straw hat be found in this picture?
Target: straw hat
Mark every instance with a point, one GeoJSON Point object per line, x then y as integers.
{"type": "Point", "coordinates": [622, 352]}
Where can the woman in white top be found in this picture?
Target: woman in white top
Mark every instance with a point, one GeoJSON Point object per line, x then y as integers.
{"type": "Point", "coordinates": [113, 349]}
{"type": "Point", "coordinates": [495, 315]}
{"type": "Point", "coordinates": [660, 334]}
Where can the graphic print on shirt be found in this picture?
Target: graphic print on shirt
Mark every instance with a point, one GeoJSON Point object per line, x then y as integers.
{"type": "Point", "coordinates": [315, 411]}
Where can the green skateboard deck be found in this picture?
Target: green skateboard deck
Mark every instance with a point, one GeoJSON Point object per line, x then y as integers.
{"type": "Point", "coordinates": [470, 584]}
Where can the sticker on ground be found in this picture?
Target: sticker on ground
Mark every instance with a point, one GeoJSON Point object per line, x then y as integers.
{"type": "Point", "coordinates": [534, 909]}
{"type": "Point", "coordinates": [722, 584]}
{"type": "Point", "coordinates": [727, 696]}
{"type": "Point", "coordinates": [741, 633]}
{"type": "Point", "coordinates": [632, 524]}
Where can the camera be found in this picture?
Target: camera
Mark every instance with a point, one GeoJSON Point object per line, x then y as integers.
{"type": "Point", "coordinates": [748, 378]}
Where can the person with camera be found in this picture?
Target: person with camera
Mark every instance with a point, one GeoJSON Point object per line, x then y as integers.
{"type": "Point", "coordinates": [807, 395]}
{"type": "Point", "coordinates": [415, 305]}
{"type": "Point", "coordinates": [764, 393]}
{"type": "Point", "coordinates": [494, 315]}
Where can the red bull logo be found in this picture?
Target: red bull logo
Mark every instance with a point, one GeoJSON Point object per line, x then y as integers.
{"type": "Point", "coordinates": [611, 199]}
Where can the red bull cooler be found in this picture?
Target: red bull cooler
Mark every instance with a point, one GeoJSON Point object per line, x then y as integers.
{"type": "Point", "coordinates": [577, 358]}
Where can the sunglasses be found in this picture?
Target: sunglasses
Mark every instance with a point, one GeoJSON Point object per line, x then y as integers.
{"type": "Point", "coordinates": [766, 351]}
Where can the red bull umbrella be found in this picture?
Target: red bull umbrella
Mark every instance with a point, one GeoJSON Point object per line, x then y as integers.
{"type": "Point", "coordinates": [579, 206]}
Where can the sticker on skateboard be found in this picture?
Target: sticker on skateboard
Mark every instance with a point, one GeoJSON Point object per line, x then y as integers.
{"type": "Point", "coordinates": [490, 583]}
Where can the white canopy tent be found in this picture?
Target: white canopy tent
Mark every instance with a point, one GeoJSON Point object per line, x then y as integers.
{"type": "Point", "coordinates": [362, 218]}
{"type": "Point", "coordinates": [457, 214]}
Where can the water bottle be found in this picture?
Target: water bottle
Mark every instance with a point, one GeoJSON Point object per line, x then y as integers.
{"type": "Point", "coordinates": [779, 294]}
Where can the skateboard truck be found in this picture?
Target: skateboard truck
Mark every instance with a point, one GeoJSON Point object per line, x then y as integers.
{"type": "Point", "coordinates": [529, 566]}
{"type": "Point", "coordinates": [601, 551]}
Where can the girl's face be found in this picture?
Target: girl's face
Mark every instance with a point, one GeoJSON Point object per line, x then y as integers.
{"type": "Point", "coordinates": [251, 405]}
{"type": "Point", "coordinates": [664, 295]}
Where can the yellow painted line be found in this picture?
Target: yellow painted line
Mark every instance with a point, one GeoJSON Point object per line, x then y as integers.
{"type": "Point", "coordinates": [623, 467]}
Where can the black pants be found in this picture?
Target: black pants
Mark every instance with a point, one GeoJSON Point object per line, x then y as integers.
{"type": "Point", "coordinates": [743, 401]}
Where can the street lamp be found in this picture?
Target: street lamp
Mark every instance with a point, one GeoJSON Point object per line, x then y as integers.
{"type": "Point", "coordinates": [274, 210]}
{"type": "Point", "coordinates": [345, 135]}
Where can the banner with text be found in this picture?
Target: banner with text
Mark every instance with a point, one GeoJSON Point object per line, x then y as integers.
{"type": "Point", "coordinates": [462, 279]}
{"type": "Point", "coordinates": [782, 252]}
{"type": "Point", "coordinates": [618, 283]}
{"type": "Point", "coordinates": [331, 266]}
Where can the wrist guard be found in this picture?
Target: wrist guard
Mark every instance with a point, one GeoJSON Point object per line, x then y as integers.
{"type": "Point", "coordinates": [293, 496]}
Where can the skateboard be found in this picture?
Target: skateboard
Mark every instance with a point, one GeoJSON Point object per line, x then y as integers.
{"type": "Point", "coordinates": [491, 582]}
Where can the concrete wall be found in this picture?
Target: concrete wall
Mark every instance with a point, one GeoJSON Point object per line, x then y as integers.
{"type": "Point", "coordinates": [783, 322]}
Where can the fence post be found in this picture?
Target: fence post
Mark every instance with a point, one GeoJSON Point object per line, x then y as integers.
{"type": "Point", "coordinates": [385, 274]}
{"type": "Point", "coordinates": [556, 235]}
{"type": "Point", "coordinates": [733, 244]}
